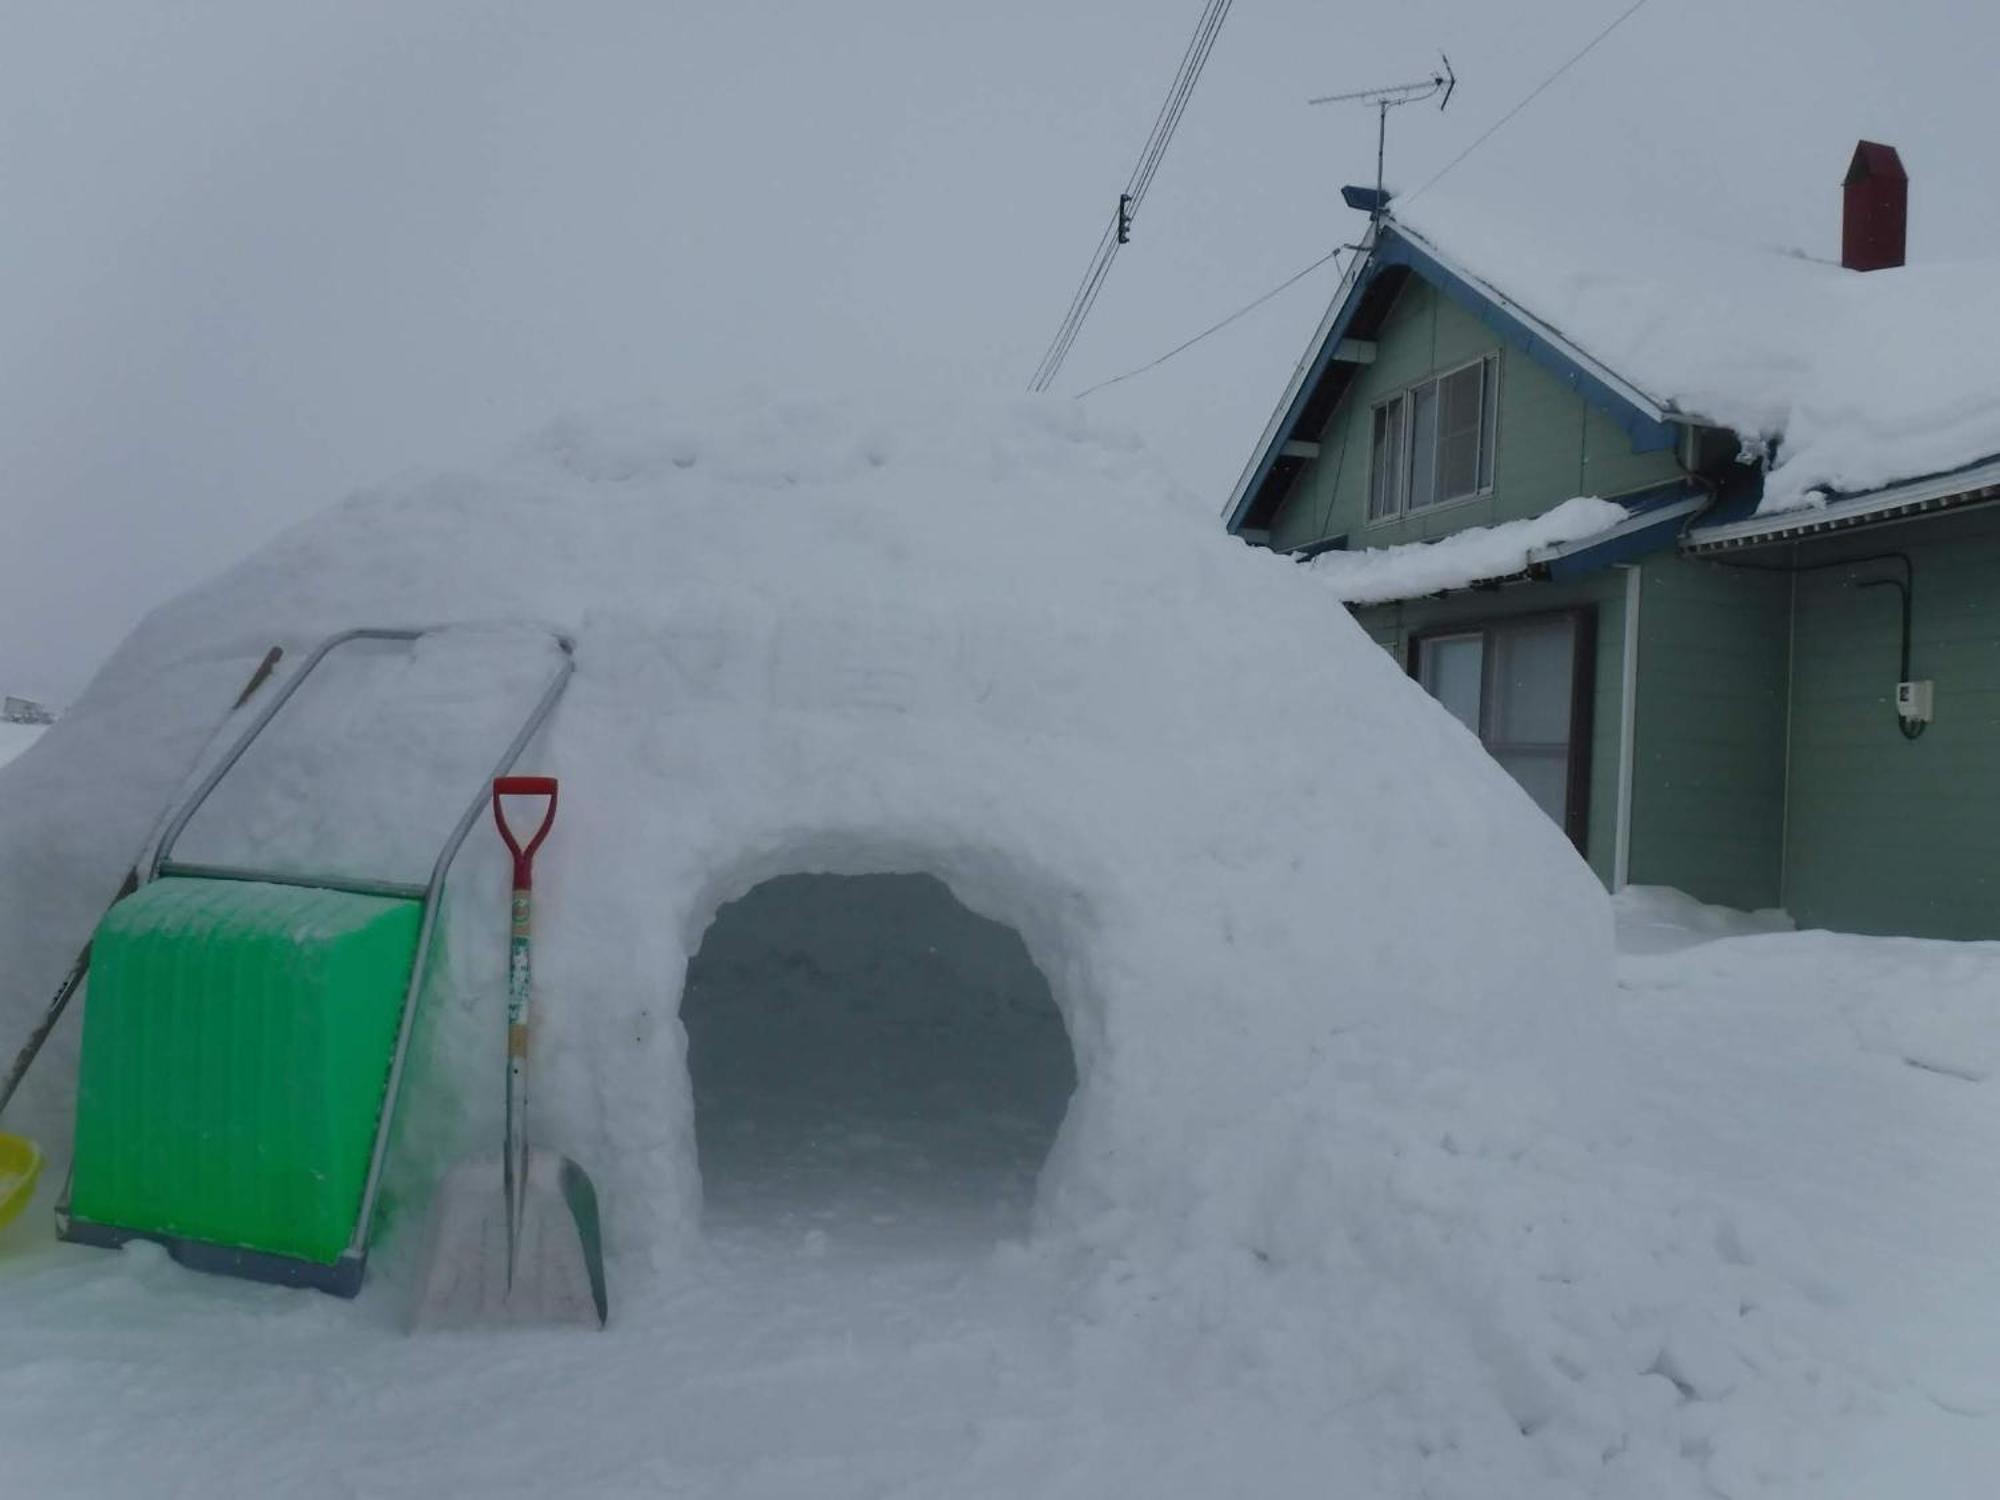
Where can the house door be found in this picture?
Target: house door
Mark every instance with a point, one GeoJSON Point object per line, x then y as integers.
{"type": "Point", "coordinates": [1523, 688]}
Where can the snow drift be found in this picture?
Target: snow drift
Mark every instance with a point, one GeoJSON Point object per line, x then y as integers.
{"type": "Point", "coordinates": [1323, 967]}
{"type": "Point", "coordinates": [1241, 846]}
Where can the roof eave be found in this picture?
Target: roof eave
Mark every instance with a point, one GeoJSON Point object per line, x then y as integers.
{"type": "Point", "coordinates": [1277, 431]}
{"type": "Point", "coordinates": [1973, 484]}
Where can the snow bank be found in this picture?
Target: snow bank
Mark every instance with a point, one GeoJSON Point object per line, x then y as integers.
{"type": "Point", "coordinates": [1325, 969]}
{"type": "Point", "coordinates": [1651, 919]}
{"type": "Point", "coordinates": [993, 648]}
{"type": "Point", "coordinates": [1853, 380]}
{"type": "Point", "coordinates": [1926, 1004]}
{"type": "Point", "coordinates": [1828, 1099]}
{"type": "Point", "coordinates": [1475, 555]}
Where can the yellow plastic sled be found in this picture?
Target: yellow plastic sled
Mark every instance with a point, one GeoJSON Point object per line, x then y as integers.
{"type": "Point", "coordinates": [20, 1165]}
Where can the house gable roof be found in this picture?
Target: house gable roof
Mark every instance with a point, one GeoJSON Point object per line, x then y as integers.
{"type": "Point", "coordinates": [1847, 383]}
{"type": "Point", "coordinates": [1377, 274]}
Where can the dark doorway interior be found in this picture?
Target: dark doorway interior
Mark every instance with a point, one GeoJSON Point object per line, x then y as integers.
{"type": "Point", "coordinates": [869, 1056]}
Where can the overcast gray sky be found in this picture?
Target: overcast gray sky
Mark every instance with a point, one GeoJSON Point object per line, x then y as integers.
{"type": "Point", "coordinates": [255, 255]}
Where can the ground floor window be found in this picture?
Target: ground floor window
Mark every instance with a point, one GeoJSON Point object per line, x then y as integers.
{"type": "Point", "coordinates": [1523, 686]}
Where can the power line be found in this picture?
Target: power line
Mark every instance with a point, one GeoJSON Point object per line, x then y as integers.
{"type": "Point", "coordinates": [1086, 297]}
{"type": "Point", "coordinates": [1158, 132]}
{"type": "Point", "coordinates": [1539, 89]}
{"type": "Point", "coordinates": [1193, 59]}
{"type": "Point", "coordinates": [1100, 262]}
{"type": "Point", "coordinates": [1192, 63]}
{"type": "Point", "coordinates": [1290, 281]}
{"type": "Point", "coordinates": [1248, 307]}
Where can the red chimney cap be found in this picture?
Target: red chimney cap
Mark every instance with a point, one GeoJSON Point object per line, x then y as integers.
{"type": "Point", "coordinates": [1873, 159]}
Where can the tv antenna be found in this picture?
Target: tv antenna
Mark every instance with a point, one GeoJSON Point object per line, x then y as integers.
{"type": "Point", "coordinates": [1438, 86]}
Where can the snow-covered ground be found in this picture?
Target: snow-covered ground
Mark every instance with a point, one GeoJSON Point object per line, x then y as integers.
{"type": "Point", "coordinates": [1811, 1106]}
{"type": "Point", "coordinates": [1133, 1041]}
{"type": "Point", "coordinates": [1834, 1096]}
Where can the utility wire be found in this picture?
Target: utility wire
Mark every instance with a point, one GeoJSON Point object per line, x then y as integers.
{"type": "Point", "coordinates": [1539, 89]}
{"type": "Point", "coordinates": [1248, 307]}
{"type": "Point", "coordinates": [1086, 297]}
{"type": "Point", "coordinates": [1100, 262]}
{"type": "Point", "coordinates": [1158, 132]}
{"type": "Point", "coordinates": [1192, 64]}
{"type": "Point", "coordinates": [1193, 59]}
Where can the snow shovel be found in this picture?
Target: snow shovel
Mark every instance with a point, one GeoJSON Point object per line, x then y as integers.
{"type": "Point", "coordinates": [20, 1158]}
{"type": "Point", "coordinates": [532, 1251]}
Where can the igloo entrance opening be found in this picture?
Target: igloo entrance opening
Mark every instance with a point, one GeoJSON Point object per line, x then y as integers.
{"type": "Point", "coordinates": [868, 1056]}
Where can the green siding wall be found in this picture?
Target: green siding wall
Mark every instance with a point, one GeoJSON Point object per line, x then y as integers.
{"type": "Point", "coordinates": [1708, 776]}
{"type": "Point", "coordinates": [1767, 765]}
{"type": "Point", "coordinates": [1550, 443]}
{"type": "Point", "coordinates": [1392, 625]}
{"type": "Point", "coordinates": [1885, 834]}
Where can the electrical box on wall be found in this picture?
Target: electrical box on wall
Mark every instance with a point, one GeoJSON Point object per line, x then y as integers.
{"type": "Point", "coordinates": [1913, 702]}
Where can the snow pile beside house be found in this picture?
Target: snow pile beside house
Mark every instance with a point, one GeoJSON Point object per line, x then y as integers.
{"type": "Point", "coordinates": [1474, 555]}
{"type": "Point", "coordinates": [1852, 380]}
{"type": "Point", "coordinates": [1652, 919]}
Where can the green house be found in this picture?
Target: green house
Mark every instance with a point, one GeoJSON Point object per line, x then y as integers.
{"type": "Point", "coordinates": [1700, 542]}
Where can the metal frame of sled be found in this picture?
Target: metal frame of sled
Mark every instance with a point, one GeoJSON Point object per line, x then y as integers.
{"type": "Point", "coordinates": [343, 1277]}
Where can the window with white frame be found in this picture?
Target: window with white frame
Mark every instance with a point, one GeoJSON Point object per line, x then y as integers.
{"type": "Point", "coordinates": [1433, 443]}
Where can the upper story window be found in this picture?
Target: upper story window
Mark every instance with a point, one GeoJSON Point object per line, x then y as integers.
{"type": "Point", "coordinates": [1433, 443]}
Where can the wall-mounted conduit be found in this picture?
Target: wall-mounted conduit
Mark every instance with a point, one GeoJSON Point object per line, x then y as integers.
{"type": "Point", "coordinates": [1905, 586]}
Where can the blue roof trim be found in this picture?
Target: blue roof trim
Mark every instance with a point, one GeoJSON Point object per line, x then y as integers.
{"type": "Point", "coordinates": [1737, 502]}
{"type": "Point", "coordinates": [1737, 523]}
{"type": "Point", "coordinates": [1648, 433]}
{"type": "Point", "coordinates": [1639, 542]}
{"type": "Point", "coordinates": [1667, 492]}
{"type": "Point", "coordinates": [1304, 393]}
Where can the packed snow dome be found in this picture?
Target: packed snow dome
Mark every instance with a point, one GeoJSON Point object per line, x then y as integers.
{"type": "Point", "coordinates": [1265, 882]}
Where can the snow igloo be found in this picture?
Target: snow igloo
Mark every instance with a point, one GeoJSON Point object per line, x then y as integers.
{"type": "Point", "coordinates": [1137, 828]}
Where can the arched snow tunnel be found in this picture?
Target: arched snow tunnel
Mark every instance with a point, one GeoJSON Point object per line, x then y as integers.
{"type": "Point", "coordinates": [868, 1055]}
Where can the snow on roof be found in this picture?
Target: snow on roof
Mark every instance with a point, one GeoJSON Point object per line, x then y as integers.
{"type": "Point", "coordinates": [1855, 380]}
{"type": "Point", "coordinates": [1477, 554]}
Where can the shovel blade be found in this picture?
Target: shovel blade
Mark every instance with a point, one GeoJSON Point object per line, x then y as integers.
{"type": "Point", "coordinates": [558, 1268]}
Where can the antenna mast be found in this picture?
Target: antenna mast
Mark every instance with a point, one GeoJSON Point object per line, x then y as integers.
{"type": "Point", "coordinates": [1438, 86]}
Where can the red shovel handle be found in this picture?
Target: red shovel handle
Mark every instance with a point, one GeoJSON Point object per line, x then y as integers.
{"type": "Point", "coordinates": [524, 786]}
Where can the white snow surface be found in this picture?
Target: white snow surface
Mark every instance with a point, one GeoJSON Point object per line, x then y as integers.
{"type": "Point", "coordinates": [1339, 1198]}
{"type": "Point", "coordinates": [1375, 575]}
{"type": "Point", "coordinates": [1772, 1280]}
{"type": "Point", "coordinates": [15, 738]}
{"type": "Point", "coordinates": [1660, 919]}
{"type": "Point", "coordinates": [1854, 380]}
{"type": "Point", "coordinates": [992, 646]}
